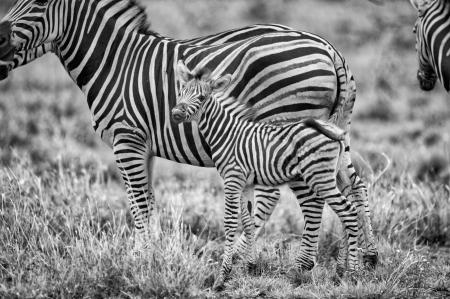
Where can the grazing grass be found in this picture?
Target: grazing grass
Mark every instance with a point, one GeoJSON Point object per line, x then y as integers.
{"type": "Point", "coordinates": [65, 228]}
{"type": "Point", "coordinates": [68, 235]}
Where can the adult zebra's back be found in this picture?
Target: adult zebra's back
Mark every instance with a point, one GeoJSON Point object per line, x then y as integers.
{"type": "Point", "coordinates": [127, 74]}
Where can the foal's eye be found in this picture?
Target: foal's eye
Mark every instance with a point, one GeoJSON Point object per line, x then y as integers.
{"type": "Point", "coordinates": [201, 98]}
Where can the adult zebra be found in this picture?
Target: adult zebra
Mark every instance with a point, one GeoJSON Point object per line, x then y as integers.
{"type": "Point", "coordinates": [432, 31]}
{"type": "Point", "coordinates": [127, 75]}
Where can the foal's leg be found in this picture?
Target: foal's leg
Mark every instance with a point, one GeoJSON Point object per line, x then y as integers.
{"type": "Point", "coordinates": [312, 208]}
{"type": "Point", "coordinates": [349, 218]}
{"type": "Point", "coordinates": [247, 248]}
{"type": "Point", "coordinates": [266, 199]}
{"type": "Point", "coordinates": [233, 187]}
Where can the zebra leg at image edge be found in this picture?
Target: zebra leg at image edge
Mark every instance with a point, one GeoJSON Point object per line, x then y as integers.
{"type": "Point", "coordinates": [312, 209]}
{"type": "Point", "coordinates": [233, 188]}
{"type": "Point", "coordinates": [266, 198]}
{"type": "Point", "coordinates": [134, 162]}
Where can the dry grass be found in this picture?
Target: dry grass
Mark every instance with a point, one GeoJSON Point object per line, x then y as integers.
{"type": "Point", "coordinates": [65, 229]}
{"type": "Point", "coordinates": [62, 235]}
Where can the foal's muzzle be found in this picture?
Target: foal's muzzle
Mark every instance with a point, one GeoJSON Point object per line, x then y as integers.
{"type": "Point", "coordinates": [178, 113]}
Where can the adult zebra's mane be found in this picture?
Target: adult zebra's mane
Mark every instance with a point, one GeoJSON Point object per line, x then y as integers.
{"type": "Point", "coordinates": [133, 14]}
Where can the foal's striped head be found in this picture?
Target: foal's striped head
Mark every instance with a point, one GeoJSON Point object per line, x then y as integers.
{"type": "Point", "coordinates": [197, 89]}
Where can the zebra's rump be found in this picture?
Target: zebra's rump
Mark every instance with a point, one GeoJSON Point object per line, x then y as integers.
{"type": "Point", "coordinates": [285, 76]}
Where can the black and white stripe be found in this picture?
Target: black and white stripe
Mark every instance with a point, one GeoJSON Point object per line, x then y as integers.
{"type": "Point", "coordinates": [305, 153]}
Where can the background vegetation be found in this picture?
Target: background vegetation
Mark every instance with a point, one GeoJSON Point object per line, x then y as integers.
{"type": "Point", "coordinates": [65, 229]}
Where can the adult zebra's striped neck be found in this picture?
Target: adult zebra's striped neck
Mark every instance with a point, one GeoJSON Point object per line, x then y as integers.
{"type": "Point", "coordinates": [70, 28]}
{"type": "Point", "coordinates": [95, 34]}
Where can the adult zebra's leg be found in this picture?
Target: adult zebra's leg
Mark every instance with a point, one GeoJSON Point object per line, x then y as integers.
{"type": "Point", "coordinates": [133, 160]}
{"type": "Point", "coordinates": [266, 199]}
{"type": "Point", "coordinates": [312, 209]}
{"type": "Point", "coordinates": [355, 189]}
{"type": "Point", "coordinates": [352, 185]}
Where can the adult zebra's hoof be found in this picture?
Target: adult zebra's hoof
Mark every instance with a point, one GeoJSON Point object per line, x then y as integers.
{"type": "Point", "coordinates": [370, 261]}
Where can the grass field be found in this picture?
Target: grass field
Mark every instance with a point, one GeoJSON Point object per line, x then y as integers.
{"type": "Point", "coordinates": [65, 228]}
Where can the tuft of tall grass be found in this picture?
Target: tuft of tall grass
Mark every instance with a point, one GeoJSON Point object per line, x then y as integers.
{"type": "Point", "coordinates": [411, 213]}
{"type": "Point", "coordinates": [67, 237]}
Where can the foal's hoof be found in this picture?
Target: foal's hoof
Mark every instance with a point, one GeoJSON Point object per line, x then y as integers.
{"type": "Point", "coordinates": [336, 279]}
{"type": "Point", "coordinates": [370, 261]}
{"type": "Point", "coordinates": [298, 276]}
{"type": "Point", "coordinates": [352, 277]}
{"type": "Point", "coordinates": [219, 285]}
{"type": "Point", "coordinates": [253, 269]}
{"type": "Point", "coordinates": [138, 252]}
{"type": "Point", "coordinates": [340, 271]}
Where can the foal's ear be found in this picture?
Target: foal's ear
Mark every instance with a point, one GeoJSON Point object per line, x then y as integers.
{"type": "Point", "coordinates": [183, 73]}
{"type": "Point", "coordinates": [221, 83]}
{"type": "Point", "coordinates": [204, 74]}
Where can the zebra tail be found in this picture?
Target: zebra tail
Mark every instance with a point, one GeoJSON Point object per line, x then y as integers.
{"type": "Point", "coordinates": [326, 128]}
{"type": "Point", "coordinates": [346, 95]}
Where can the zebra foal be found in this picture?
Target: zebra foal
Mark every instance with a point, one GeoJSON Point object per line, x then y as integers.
{"type": "Point", "coordinates": [247, 153]}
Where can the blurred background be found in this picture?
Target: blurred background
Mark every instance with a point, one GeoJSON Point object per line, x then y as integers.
{"type": "Point", "coordinates": [45, 123]}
